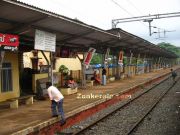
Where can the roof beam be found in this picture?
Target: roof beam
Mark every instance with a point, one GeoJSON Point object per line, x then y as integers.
{"type": "Point", "coordinates": [72, 37]}
{"type": "Point", "coordinates": [8, 21]}
{"type": "Point", "coordinates": [18, 27]}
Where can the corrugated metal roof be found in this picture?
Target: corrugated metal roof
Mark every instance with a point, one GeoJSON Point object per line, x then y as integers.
{"type": "Point", "coordinates": [23, 19]}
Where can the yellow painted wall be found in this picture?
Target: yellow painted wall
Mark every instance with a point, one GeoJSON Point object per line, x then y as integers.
{"type": "Point", "coordinates": [71, 63]}
{"type": "Point", "coordinates": [27, 59]}
{"type": "Point", "coordinates": [13, 59]}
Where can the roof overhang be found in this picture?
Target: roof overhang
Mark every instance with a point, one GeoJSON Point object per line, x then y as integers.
{"type": "Point", "coordinates": [23, 19]}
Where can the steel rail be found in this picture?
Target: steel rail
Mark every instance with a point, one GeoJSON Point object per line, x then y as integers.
{"type": "Point", "coordinates": [131, 100]}
{"type": "Point", "coordinates": [151, 108]}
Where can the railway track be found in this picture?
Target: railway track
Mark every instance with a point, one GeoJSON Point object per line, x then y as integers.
{"type": "Point", "coordinates": [150, 107]}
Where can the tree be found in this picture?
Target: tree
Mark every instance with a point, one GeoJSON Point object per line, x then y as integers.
{"type": "Point", "coordinates": [97, 59]}
{"type": "Point", "coordinates": [170, 47]}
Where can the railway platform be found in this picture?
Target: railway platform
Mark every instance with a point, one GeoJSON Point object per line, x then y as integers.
{"type": "Point", "coordinates": [36, 118]}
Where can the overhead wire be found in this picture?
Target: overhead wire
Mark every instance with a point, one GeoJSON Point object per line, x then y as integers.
{"type": "Point", "coordinates": [130, 2]}
{"type": "Point", "coordinates": [122, 7]}
{"type": "Point", "coordinates": [127, 10]}
{"type": "Point", "coordinates": [162, 29]}
{"type": "Point", "coordinates": [133, 5]}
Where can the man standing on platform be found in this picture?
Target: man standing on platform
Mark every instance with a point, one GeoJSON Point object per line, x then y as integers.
{"type": "Point", "coordinates": [56, 102]}
{"type": "Point", "coordinates": [103, 76]}
{"type": "Point", "coordinates": [174, 74]}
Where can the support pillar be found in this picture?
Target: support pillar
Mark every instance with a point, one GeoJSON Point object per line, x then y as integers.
{"type": "Point", "coordinates": [113, 63]}
{"type": "Point", "coordinates": [118, 70]}
{"type": "Point", "coordinates": [137, 62]}
{"type": "Point", "coordinates": [129, 67]}
{"type": "Point", "coordinates": [144, 65]}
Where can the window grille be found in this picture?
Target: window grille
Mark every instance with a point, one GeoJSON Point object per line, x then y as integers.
{"type": "Point", "coordinates": [6, 77]}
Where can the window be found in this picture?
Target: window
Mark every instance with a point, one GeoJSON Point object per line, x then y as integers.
{"type": "Point", "coordinates": [6, 77]}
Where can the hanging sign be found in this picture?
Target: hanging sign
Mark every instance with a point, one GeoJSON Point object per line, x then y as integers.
{"type": "Point", "coordinates": [45, 41]}
{"type": "Point", "coordinates": [106, 56]}
{"type": "Point", "coordinates": [89, 56]}
{"type": "Point", "coordinates": [9, 42]}
{"type": "Point", "coordinates": [120, 61]}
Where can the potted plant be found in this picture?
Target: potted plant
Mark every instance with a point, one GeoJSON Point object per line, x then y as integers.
{"type": "Point", "coordinates": [64, 72]}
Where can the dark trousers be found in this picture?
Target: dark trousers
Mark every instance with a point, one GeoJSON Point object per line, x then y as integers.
{"type": "Point", "coordinates": [57, 106]}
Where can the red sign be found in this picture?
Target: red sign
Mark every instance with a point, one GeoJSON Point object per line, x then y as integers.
{"type": "Point", "coordinates": [89, 56]}
{"type": "Point", "coordinates": [9, 42]}
{"type": "Point", "coordinates": [120, 57]}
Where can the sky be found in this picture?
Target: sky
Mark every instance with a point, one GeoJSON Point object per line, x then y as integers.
{"type": "Point", "coordinates": [100, 13]}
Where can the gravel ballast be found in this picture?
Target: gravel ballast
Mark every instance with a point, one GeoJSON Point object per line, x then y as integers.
{"type": "Point", "coordinates": [122, 120]}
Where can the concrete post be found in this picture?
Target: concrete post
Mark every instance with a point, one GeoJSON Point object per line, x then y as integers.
{"type": "Point", "coordinates": [118, 70]}
{"type": "Point", "coordinates": [130, 62]}
{"type": "Point", "coordinates": [14, 104]}
{"type": "Point", "coordinates": [144, 63]}
{"type": "Point", "coordinates": [137, 68]}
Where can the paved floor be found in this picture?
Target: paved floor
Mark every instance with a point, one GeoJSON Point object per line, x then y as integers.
{"type": "Point", "coordinates": [13, 120]}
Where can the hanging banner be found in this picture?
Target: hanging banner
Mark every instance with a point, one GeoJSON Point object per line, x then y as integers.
{"type": "Point", "coordinates": [106, 56]}
{"type": "Point", "coordinates": [89, 56]}
{"type": "Point", "coordinates": [9, 42]}
{"type": "Point", "coordinates": [120, 61]}
{"type": "Point", "coordinates": [45, 41]}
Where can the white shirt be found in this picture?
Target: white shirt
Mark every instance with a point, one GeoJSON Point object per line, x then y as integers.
{"type": "Point", "coordinates": [54, 94]}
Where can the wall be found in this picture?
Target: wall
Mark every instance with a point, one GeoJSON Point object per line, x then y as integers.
{"type": "Point", "coordinates": [71, 63]}
{"type": "Point", "coordinates": [13, 58]}
{"type": "Point", "coordinates": [36, 77]}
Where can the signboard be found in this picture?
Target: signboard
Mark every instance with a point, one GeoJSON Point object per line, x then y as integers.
{"type": "Point", "coordinates": [120, 61]}
{"type": "Point", "coordinates": [89, 56]}
{"type": "Point", "coordinates": [45, 41]}
{"type": "Point", "coordinates": [9, 42]}
{"type": "Point", "coordinates": [106, 56]}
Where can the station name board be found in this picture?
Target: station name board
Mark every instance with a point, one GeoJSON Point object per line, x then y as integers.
{"type": "Point", "coordinates": [9, 42]}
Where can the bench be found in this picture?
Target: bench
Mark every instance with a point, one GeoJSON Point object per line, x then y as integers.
{"type": "Point", "coordinates": [14, 102]}
{"type": "Point", "coordinates": [90, 83]}
{"type": "Point", "coordinates": [68, 91]}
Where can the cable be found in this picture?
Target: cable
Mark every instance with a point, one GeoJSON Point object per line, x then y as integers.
{"type": "Point", "coordinates": [134, 6]}
{"type": "Point", "coordinates": [133, 15]}
{"type": "Point", "coordinates": [122, 7]}
{"type": "Point", "coordinates": [126, 10]}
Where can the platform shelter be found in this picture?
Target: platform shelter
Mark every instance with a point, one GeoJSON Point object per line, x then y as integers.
{"type": "Point", "coordinates": [71, 37]}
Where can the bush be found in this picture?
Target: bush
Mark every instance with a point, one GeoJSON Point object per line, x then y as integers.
{"type": "Point", "coordinates": [63, 70]}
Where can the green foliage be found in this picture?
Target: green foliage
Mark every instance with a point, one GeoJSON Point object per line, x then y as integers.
{"type": "Point", "coordinates": [64, 70]}
{"type": "Point", "coordinates": [125, 61]}
{"type": "Point", "coordinates": [170, 47]}
{"type": "Point", "coordinates": [97, 59]}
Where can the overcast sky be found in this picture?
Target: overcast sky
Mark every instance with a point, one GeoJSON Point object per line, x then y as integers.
{"type": "Point", "coordinates": [100, 13]}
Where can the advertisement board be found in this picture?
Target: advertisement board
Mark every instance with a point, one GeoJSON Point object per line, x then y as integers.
{"type": "Point", "coordinates": [45, 41]}
{"type": "Point", "coordinates": [9, 42]}
{"type": "Point", "coordinates": [106, 57]}
{"type": "Point", "coordinates": [89, 56]}
{"type": "Point", "coordinates": [120, 61]}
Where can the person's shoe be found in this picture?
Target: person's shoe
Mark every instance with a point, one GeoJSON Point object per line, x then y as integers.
{"type": "Point", "coordinates": [62, 123]}
{"type": "Point", "coordinates": [55, 115]}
